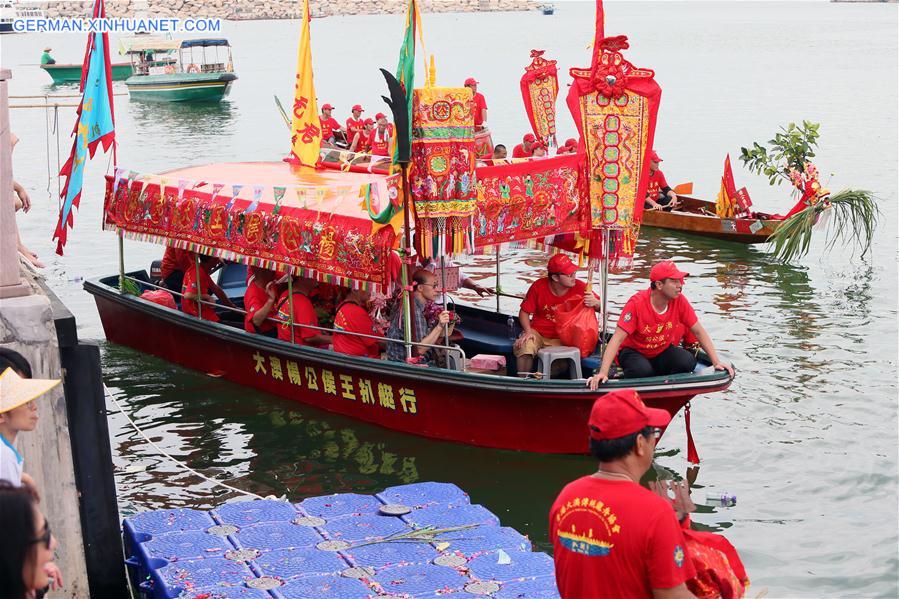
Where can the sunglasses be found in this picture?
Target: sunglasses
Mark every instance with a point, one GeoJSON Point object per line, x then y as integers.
{"type": "Point", "coordinates": [656, 433]}
{"type": "Point", "coordinates": [45, 537]}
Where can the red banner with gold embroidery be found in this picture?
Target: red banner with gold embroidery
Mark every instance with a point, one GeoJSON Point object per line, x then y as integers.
{"type": "Point", "coordinates": [272, 229]}
{"type": "Point", "coordinates": [539, 90]}
{"type": "Point", "coordinates": [615, 106]}
{"type": "Point", "coordinates": [442, 169]}
{"type": "Point", "coordinates": [528, 200]}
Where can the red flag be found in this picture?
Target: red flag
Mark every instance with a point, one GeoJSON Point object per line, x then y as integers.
{"type": "Point", "coordinates": [727, 179]}
{"type": "Point", "coordinates": [741, 198]}
{"type": "Point", "coordinates": [600, 31]}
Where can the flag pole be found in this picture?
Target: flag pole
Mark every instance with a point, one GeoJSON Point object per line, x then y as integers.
{"type": "Point", "coordinates": [407, 255]}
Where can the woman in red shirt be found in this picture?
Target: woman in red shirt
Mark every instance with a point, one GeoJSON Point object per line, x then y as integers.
{"type": "Point", "coordinates": [303, 314]}
{"type": "Point", "coordinates": [352, 317]}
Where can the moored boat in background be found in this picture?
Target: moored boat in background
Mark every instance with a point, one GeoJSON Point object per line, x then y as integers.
{"type": "Point", "coordinates": [71, 73]}
{"type": "Point", "coordinates": [181, 70]}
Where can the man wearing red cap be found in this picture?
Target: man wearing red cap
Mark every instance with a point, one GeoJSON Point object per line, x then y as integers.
{"type": "Point", "coordinates": [526, 148]}
{"type": "Point", "coordinates": [570, 147]}
{"type": "Point", "coordinates": [537, 315]}
{"type": "Point", "coordinates": [659, 195]}
{"type": "Point", "coordinates": [611, 537]}
{"type": "Point", "coordinates": [379, 137]}
{"type": "Point", "coordinates": [647, 327]}
{"type": "Point", "coordinates": [480, 104]}
{"type": "Point", "coordinates": [329, 126]}
{"type": "Point", "coordinates": [354, 127]}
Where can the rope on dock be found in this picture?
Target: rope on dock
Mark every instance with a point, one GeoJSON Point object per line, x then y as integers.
{"type": "Point", "coordinates": [163, 452]}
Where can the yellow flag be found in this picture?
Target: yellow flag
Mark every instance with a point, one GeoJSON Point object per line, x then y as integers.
{"type": "Point", "coordinates": [305, 127]}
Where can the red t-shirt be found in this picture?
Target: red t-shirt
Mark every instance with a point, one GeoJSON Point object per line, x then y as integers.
{"type": "Point", "coordinates": [190, 306]}
{"type": "Point", "coordinates": [519, 151]}
{"type": "Point", "coordinates": [354, 126]}
{"type": "Point", "coordinates": [613, 538]}
{"type": "Point", "coordinates": [329, 126]}
{"type": "Point", "coordinates": [379, 147]}
{"type": "Point", "coordinates": [649, 332]}
{"type": "Point", "coordinates": [541, 303]}
{"type": "Point", "coordinates": [353, 318]}
{"type": "Point", "coordinates": [176, 259]}
{"type": "Point", "coordinates": [303, 313]}
{"type": "Point", "coordinates": [480, 105]}
{"type": "Point", "coordinates": [253, 300]}
{"type": "Point", "coordinates": [656, 184]}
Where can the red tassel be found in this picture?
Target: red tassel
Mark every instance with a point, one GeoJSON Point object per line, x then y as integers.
{"type": "Point", "coordinates": [692, 454]}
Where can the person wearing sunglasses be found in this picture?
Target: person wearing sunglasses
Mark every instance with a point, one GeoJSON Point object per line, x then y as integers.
{"type": "Point", "coordinates": [612, 537]}
{"type": "Point", "coordinates": [26, 546]}
{"type": "Point", "coordinates": [425, 288]}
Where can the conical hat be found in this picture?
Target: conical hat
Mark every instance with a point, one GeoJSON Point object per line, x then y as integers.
{"type": "Point", "coordinates": [15, 390]}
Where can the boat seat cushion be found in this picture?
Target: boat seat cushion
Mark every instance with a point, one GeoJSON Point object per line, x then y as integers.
{"type": "Point", "coordinates": [486, 343]}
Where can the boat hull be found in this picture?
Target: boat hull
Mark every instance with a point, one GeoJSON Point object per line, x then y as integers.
{"type": "Point", "coordinates": [181, 87]}
{"type": "Point", "coordinates": [698, 218]}
{"type": "Point", "coordinates": [71, 73]}
{"type": "Point", "coordinates": [475, 409]}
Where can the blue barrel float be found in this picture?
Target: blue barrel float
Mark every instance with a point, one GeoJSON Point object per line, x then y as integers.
{"type": "Point", "coordinates": [410, 541]}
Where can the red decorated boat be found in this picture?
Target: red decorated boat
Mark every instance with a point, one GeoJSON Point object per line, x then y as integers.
{"type": "Point", "coordinates": [698, 217]}
{"type": "Point", "coordinates": [319, 224]}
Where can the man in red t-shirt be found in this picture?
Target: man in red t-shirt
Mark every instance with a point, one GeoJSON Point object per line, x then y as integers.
{"type": "Point", "coordinates": [329, 126]}
{"type": "Point", "coordinates": [175, 262]}
{"type": "Point", "coordinates": [303, 313]}
{"type": "Point", "coordinates": [354, 128]}
{"type": "Point", "coordinates": [526, 148]}
{"type": "Point", "coordinates": [480, 104]}
{"type": "Point", "coordinates": [379, 138]}
{"type": "Point", "coordinates": [611, 537]}
{"type": "Point", "coordinates": [259, 301]}
{"type": "Point", "coordinates": [190, 291]}
{"type": "Point", "coordinates": [537, 315]}
{"type": "Point", "coordinates": [659, 195]}
{"type": "Point", "coordinates": [354, 318]}
{"type": "Point", "coordinates": [647, 327]}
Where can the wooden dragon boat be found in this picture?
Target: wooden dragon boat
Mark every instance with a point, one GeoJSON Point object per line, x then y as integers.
{"type": "Point", "coordinates": [698, 217]}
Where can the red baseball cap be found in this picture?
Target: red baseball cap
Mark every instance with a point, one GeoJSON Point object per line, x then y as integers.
{"type": "Point", "coordinates": [358, 107]}
{"type": "Point", "coordinates": [654, 156]}
{"type": "Point", "coordinates": [368, 122]}
{"type": "Point", "coordinates": [561, 264]}
{"type": "Point", "coordinates": [621, 413]}
{"type": "Point", "coordinates": [380, 116]}
{"type": "Point", "coordinates": [571, 142]}
{"type": "Point", "coordinates": [471, 81]}
{"type": "Point", "coordinates": [529, 138]}
{"type": "Point", "coordinates": [327, 107]}
{"type": "Point", "coordinates": [666, 269]}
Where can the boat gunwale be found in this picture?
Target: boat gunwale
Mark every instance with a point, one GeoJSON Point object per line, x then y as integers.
{"type": "Point", "coordinates": [717, 380]}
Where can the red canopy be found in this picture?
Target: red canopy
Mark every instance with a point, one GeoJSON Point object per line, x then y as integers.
{"type": "Point", "coordinates": [270, 214]}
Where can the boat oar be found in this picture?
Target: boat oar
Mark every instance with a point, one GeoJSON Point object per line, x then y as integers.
{"type": "Point", "coordinates": [283, 112]}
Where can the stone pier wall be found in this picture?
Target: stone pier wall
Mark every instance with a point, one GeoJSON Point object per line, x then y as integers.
{"type": "Point", "coordinates": [278, 9]}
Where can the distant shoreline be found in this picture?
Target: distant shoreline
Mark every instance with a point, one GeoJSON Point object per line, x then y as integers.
{"type": "Point", "coordinates": [241, 10]}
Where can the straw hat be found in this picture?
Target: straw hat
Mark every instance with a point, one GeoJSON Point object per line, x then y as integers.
{"type": "Point", "coordinates": [16, 391]}
{"type": "Point", "coordinates": [47, 49]}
